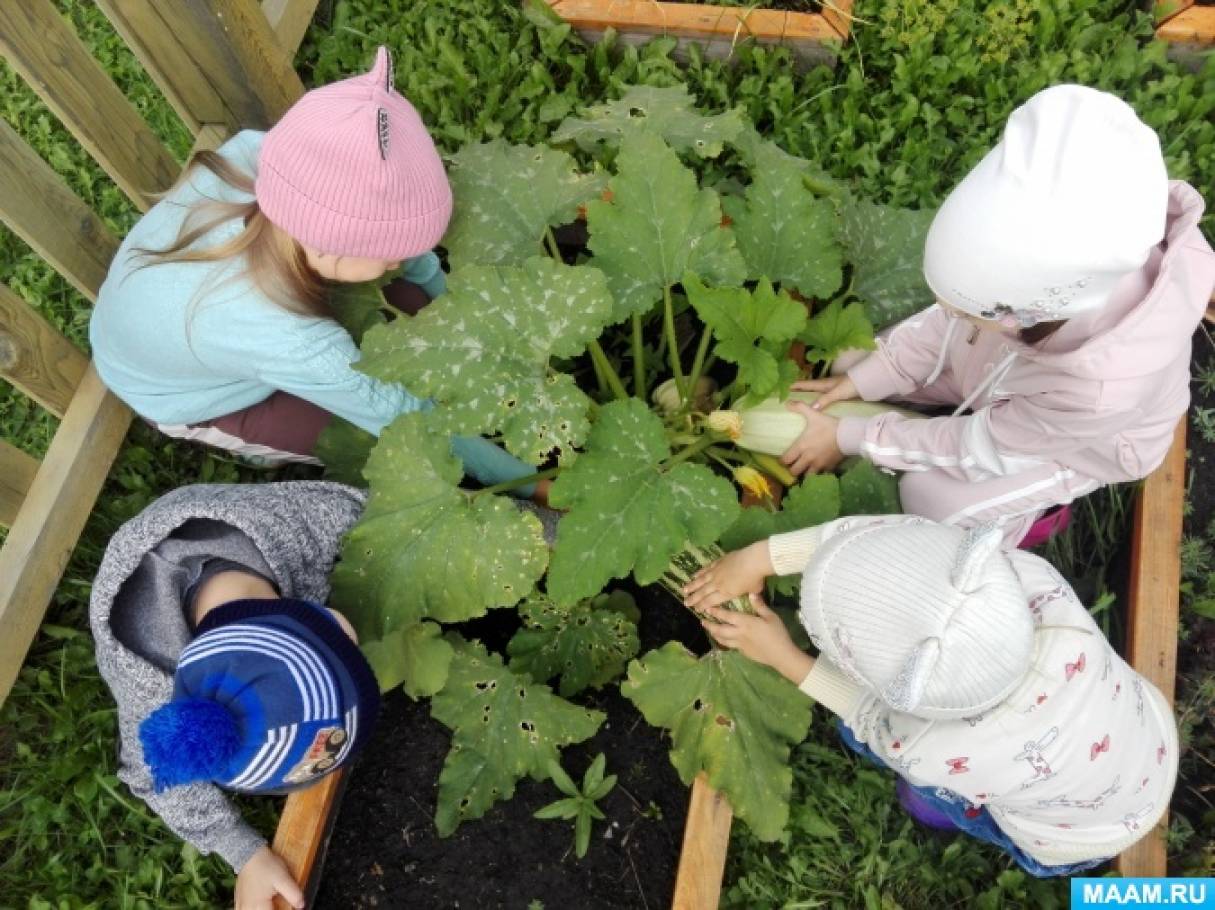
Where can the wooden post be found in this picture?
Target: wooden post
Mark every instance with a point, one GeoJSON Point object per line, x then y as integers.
{"type": "Point", "coordinates": [303, 831]}
{"type": "Point", "coordinates": [45, 530]}
{"type": "Point", "coordinates": [17, 472]}
{"type": "Point", "coordinates": [702, 858]}
{"type": "Point", "coordinates": [217, 61]}
{"type": "Point", "coordinates": [1154, 597]}
{"type": "Point", "coordinates": [290, 20]}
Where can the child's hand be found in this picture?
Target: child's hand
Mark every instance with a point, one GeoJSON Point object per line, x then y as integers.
{"type": "Point", "coordinates": [816, 449]}
{"type": "Point", "coordinates": [833, 389]}
{"type": "Point", "coordinates": [762, 637]}
{"type": "Point", "coordinates": [261, 878]}
{"type": "Point", "coordinates": [740, 572]}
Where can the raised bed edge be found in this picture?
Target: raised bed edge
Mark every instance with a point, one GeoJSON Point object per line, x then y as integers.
{"type": "Point", "coordinates": [812, 37]}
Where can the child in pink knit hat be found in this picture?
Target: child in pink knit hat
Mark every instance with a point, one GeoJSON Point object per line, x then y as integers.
{"type": "Point", "coordinates": [214, 322]}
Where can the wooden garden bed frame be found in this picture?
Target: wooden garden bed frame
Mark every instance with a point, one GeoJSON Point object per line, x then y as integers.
{"type": "Point", "coordinates": [225, 65]}
{"type": "Point", "coordinates": [1187, 27]}
{"type": "Point", "coordinates": [812, 37]}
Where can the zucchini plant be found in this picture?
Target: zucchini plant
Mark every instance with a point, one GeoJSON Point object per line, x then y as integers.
{"type": "Point", "coordinates": [678, 292]}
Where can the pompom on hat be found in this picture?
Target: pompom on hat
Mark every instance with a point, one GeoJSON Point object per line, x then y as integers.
{"type": "Point", "coordinates": [270, 696]}
{"type": "Point", "coordinates": [931, 618]}
{"type": "Point", "coordinates": [1072, 199]}
{"type": "Point", "coordinates": [350, 170]}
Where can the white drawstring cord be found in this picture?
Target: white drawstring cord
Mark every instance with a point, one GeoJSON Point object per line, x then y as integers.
{"type": "Point", "coordinates": [995, 376]}
{"type": "Point", "coordinates": [936, 372]}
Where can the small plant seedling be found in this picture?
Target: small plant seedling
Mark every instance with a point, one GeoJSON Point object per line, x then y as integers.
{"type": "Point", "coordinates": [579, 805]}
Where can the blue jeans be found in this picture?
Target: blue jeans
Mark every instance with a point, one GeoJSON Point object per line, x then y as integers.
{"type": "Point", "coordinates": [981, 826]}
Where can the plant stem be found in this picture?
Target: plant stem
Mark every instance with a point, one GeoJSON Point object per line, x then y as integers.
{"type": "Point", "coordinates": [639, 381]}
{"type": "Point", "coordinates": [668, 321]}
{"type": "Point", "coordinates": [516, 483]}
{"type": "Point", "coordinates": [551, 242]}
{"type": "Point", "coordinates": [600, 379]}
{"type": "Point", "coordinates": [690, 451]}
{"type": "Point", "coordinates": [698, 362]}
{"type": "Point", "coordinates": [609, 372]}
{"type": "Point", "coordinates": [728, 454]}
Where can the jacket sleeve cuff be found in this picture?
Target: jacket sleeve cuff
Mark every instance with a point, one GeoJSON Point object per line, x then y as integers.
{"type": "Point", "coordinates": [873, 378]}
{"type": "Point", "coordinates": [831, 688]}
{"type": "Point", "coordinates": [791, 551]}
{"type": "Point", "coordinates": [238, 847]}
{"type": "Point", "coordinates": [850, 433]}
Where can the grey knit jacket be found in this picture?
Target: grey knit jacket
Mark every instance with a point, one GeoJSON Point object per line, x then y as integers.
{"type": "Point", "coordinates": [297, 528]}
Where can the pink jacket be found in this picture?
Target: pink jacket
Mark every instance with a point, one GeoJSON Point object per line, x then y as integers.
{"type": "Point", "coordinates": [1102, 396]}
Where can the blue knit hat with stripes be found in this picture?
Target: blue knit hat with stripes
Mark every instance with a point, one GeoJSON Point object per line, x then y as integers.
{"type": "Point", "coordinates": [269, 696]}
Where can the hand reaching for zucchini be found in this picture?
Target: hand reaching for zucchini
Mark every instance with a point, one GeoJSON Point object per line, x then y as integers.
{"type": "Point", "coordinates": [735, 574]}
{"type": "Point", "coordinates": [833, 389]}
{"type": "Point", "coordinates": [816, 448]}
{"type": "Point", "coordinates": [763, 638]}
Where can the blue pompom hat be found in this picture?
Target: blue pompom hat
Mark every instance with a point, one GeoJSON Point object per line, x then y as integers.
{"type": "Point", "coordinates": [270, 696]}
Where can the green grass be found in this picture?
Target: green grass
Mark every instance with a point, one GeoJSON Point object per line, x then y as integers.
{"type": "Point", "coordinates": [918, 97]}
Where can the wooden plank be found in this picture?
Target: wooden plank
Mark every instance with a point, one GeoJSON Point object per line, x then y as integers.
{"type": "Point", "coordinates": [58, 503]}
{"type": "Point", "coordinates": [1153, 602]}
{"type": "Point", "coordinates": [303, 831]}
{"type": "Point", "coordinates": [42, 47]}
{"type": "Point", "coordinates": [716, 29]}
{"type": "Point", "coordinates": [17, 471]}
{"type": "Point", "coordinates": [38, 206]}
{"type": "Point", "coordinates": [217, 61]}
{"type": "Point", "coordinates": [290, 20]}
{"type": "Point", "coordinates": [838, 14]}
{"type": "Point", "coordinates": [1194, 26]}
{"type": "Point", "coordinates": [702, 858]}
{"type": "Point", "coordinates": [210, 137]}
{"type": "Point", "coordinates": [35, 357]}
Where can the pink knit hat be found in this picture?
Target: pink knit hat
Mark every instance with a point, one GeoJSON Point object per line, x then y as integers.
{"type": "Point", "coordinates": [350, 170]}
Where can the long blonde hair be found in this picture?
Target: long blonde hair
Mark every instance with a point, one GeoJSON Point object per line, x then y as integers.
{"type": "Point", "coordinates": [275, 261]}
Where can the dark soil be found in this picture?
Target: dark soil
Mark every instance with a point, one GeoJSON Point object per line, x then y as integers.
{"type": "Point", "coordinates": [385, 851]}
{"type": "Point", "coordinates": [1201, 462]}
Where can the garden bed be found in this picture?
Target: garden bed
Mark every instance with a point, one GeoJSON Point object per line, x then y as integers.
{"type": "Point", "coordinates": [1189, 28]}
{"type": "Point", "coordinates": [385, 845]}
{"type": "Point", "coordinates": [812, 37]}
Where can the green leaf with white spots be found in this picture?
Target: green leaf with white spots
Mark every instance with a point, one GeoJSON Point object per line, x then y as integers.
{"type": "Point", "coordinates": [867, 490]}
{"type": "Point", "coordinates": [886, 248]}
{"type": "Point", "coordinates": [344, 449]}
{"type": "Point", "coordinates": [506, 196]}
{"type": "Point", "coordinates": [784, 233]}
{"type": "Point", "coordinates": [628, 509]}
{"type": "Point", "coordinates": [416, 658]}
{"type": "Point", "coordinates": [837, 328]}
{"type": "Point", "coordinates": [658, 226]}
{"type": "Point", "coordinates": [753, 330]}
{"type": "Point", "coordinates": [424, 548]}
{"type": "Point", "coordinates": [730, 717]}
{"type": "Point", "coordinates": [587, 644]}
{"type": "Point", "coordinates": [812, 502]}
{"type": "Point", "coordinates": [504, 727]}
{"type": "Point", "coordinates": [484, 353]}
{"type": "Point", "coordinates": [667, 112]}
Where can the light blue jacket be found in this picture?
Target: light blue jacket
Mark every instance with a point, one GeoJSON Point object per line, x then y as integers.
{"type": "Point", "coordinates": [186, 342]}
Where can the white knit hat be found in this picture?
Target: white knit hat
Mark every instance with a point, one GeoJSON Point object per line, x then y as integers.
{"type": "Point", "coordinates": [1071, 199]}
{"type": "Point", "coordinates": [931, 618]}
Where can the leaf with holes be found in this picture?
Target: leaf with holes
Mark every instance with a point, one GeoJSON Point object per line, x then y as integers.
{"type": "Point", "coordinates": [628, 509]}
{"type": "Point", "coordinates": [753, 330]}
{"type": "Point", "coordinates": [658, 225]}
{"type": "Point", "coordinates": [424, 547]}
{"type": "Point", "coordinates": [506, 196]}
{"type": "Point", "coordinates": [504, 726]}
{"type": "Point", "coordinates": [868, 490]}
{"type": "Point", "coordinates": [344, 449]}
{"type": "Point", "coordinates": [587, 644]}
{"type": "Point", "coordinates": [886, 248]}
{"type": "Point", "coordinates": [730, 717]}
{"type": "Point", "coordinates": [484, 354]}
{"type": "Point", "coordinates": [837, 328]}
{"type": "Point", "coordinates": [416, 658]}
{"type": "Point", "coordinates": [667, 112]}
{"type": "Point", "coordinates": [783, 232]}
